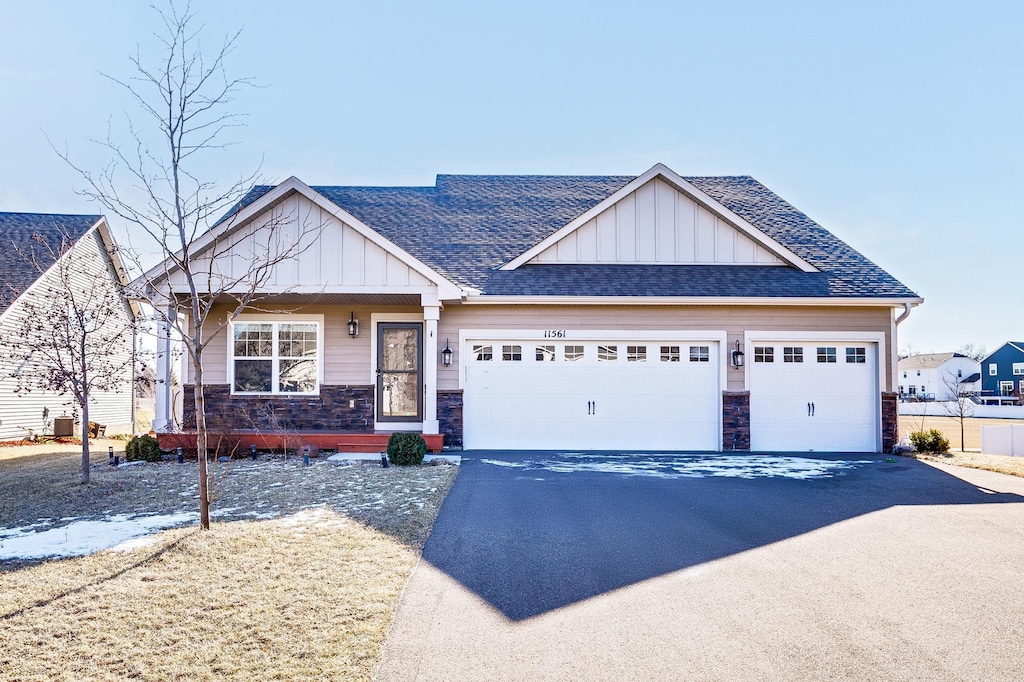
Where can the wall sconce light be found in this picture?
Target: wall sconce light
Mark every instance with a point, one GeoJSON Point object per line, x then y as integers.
{"type": "Point", "coordinates": [737, 356]}
{"type": "Point", "coordinates": [353, 324]}
{"type": "Point", "coordinates": [446, 355]}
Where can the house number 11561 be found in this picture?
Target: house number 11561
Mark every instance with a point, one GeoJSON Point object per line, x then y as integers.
{"type": "Point", "coordinates": [554, 334]}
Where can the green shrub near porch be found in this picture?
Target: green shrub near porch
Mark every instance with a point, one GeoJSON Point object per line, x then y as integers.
{"type": "Point", "coordinates": [406, 448]}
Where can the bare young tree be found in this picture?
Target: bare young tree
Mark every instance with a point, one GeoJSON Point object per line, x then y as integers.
{"type": "Point", "coordinates": [972, 351]}
{"type": "Point", "coordinates": [72, 334]}
{"type": "Point", "coordinates": [958, 404]}
{"type": "Point", "coordinates": [154, 183]}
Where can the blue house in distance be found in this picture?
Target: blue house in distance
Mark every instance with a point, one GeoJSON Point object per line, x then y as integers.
{"type": "Point", "coordinates": [1002, 372]}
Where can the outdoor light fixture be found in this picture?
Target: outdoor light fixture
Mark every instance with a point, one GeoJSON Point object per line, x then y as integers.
{"type": "Point", "coordinates": [446, 354]}
{"type": "Point", "coordinates": [353, 324]}
{"type": "Point", "coordinates": [737, 356]}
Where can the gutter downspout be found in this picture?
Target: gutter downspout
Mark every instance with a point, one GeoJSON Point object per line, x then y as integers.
{"type": "Point", "coordinates": [905, 314]}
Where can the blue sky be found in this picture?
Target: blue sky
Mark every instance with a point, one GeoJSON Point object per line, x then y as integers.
{"type": "Point", "coordinates": [897, 125]}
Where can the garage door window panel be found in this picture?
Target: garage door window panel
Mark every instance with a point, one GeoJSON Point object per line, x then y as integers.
{"type": "Point", "coordinates": [793, 354]}
{"type": "Point", "coordinates": [544, 354]}
{"type": "Point", "coordinates": [607, 353]}
{"type": "Point", "coordinates": [636, 353]}
{"type": "Point", "coordinates": [512, 353]}
{"type": "Point", "coordinates": [764, 354]}
{"type": "Point", "coordinates": [827, 355]}
{"type": "Point", "coordinates": [483, 353]}
{"type": "Point", "coordinates": [670, 354]}
{"type": "Point", "coordinates": [700, 354]}
{"type": "Point", "coordinates": [573, 353]}
{"type": "Point", "coordinates": [856, 356]}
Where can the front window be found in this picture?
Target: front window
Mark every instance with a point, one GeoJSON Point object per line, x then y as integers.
{"type": "Point", "coordinates": [276, 357]}
{"type": "Point", "coordinates": [1018, 368]}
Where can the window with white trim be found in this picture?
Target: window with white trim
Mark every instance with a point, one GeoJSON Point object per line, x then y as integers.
{"type": "Point", "coordinates": [993, 369]}
{"type": "Point", "coordinates": [857, 356]}
{"type": "Point", "coordinates": [764, 354]}
{"type": "Point", "coordinates": [636, 353]}
{"type": "Point", "coordinates": [827, 354]}
{"type": "Point", "coordinates": [792, 354]}
{"type": "Point", "coordinates": [512, 353]}
{"type": "Point", "coordinates": [1005, 388]}
{"type": "Point", "coordinates": [573, 353]}
{"type": "Point", "coordinates": [545, 353]}
{"type": "Point", "coordinates": [607, 353]}
{"type": "Point", "coordinates": [1018, 369]}
{"type": "Point", "coordinates": [276, 357]}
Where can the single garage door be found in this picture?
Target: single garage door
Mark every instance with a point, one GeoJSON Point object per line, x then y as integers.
{"type": "Point", "coordinates": [814, 396]}
{"type": "Point", "coordinates": [592, 395]}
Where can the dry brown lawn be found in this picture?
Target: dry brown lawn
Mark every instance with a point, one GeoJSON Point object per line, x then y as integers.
{"type": "Point", "coordinates": [306, 595]}
{"type": "Point", "coordinates": [971, 456]}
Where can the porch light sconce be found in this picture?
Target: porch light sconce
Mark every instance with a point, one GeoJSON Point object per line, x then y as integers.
{"type": "Point", "coordinates": [737, 356]}
{"type": "Point", "coordinates": [353, 324]}
{"type": "Point", "coordinates": [446, 355]}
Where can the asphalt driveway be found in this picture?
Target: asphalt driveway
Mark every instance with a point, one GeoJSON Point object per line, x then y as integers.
{"type": "Point", "coordinates": [629, 566]}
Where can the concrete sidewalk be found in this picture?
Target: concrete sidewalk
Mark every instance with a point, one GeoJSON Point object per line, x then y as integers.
{"type": "Point", "coordinates": [917, 591]}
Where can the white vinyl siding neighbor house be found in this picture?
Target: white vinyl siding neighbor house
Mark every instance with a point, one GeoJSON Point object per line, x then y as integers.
{"type": "Point", "coordinates": [554, 312]}
{"type": "Point", "coordinates": [938, 376]}
{"type": "Point", "coordinates": [27, 413]}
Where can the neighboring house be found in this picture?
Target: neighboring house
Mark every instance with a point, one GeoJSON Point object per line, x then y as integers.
{"type": "Point", "coordinates": [28, 242]}
{"type": "Point", "coordinates": [560, 312]}
{"type": "Point", "coordinates": [938, 376]}
{"type": "Point", "coordinates": [1002, 372]}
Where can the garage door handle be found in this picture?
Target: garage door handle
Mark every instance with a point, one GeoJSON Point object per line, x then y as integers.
{"type": "Point", "coordinates": [590, 407]}
{"type": "Point", "coordinates": [810, 409]}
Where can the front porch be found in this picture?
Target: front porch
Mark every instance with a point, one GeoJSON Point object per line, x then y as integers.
{"type": "Point", "coordinates": [338, 441]}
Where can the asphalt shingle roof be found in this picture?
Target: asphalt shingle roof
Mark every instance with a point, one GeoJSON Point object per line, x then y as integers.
{"type": "Point", "coordinates": [22, 254]}
{"type": "Point", "coordinates": [466, 226]}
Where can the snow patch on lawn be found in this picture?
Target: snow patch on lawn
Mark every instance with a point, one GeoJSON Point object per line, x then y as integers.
{"type": "Point", "coordinates": [85, 537]}
{"type": "Point", "coordinates": [693, 466]}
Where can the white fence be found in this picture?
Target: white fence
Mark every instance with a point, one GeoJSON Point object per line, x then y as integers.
{"type": "Point", "coordinates": [939, 409]}
{"type": "Point", "coordinates": [1003, 440]}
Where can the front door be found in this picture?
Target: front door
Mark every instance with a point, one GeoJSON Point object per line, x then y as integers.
{"type": "Point", "coordinates": [399, 381]}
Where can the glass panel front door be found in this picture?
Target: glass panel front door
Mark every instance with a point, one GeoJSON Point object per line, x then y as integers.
{"type": "Point", "coordinates": [399, 357]}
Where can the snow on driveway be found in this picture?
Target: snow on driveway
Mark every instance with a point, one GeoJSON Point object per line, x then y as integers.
{"type": "Point", "coordinates": [683, 466]}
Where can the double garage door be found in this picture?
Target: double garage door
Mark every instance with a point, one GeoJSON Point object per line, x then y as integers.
{"type": "Point", "coordinates": [657, 394]}
{"type": "Point", "coordinates": [592, 394]}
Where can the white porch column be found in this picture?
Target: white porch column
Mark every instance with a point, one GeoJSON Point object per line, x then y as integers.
{"type": "Point", "coordinates": [163, 418]}
{"type": "Point", "coordinates": [431, 314]}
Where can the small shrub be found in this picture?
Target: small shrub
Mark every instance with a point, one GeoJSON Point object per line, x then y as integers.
{"type": "Point", "coordinates": [406, 448]}
{"type": "Point", "coordinates": [931, 440]}
{"type": "Point", "coordinates": [143, 448]}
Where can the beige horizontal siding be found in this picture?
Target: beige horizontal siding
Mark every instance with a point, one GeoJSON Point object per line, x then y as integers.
{"type": "Point", "coordinates": [348, 360]}
{"type": "Point", "coordinates": [734, 320]}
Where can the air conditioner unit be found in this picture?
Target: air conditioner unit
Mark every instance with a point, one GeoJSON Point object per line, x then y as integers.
{"type": "Point", "coordinates": [63, 427]}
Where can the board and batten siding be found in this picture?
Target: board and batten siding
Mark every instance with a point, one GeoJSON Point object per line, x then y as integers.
{"type": "Point", "coordinates": [328, 254]}
{"type": "Point", "coordinates": [20, 414]}
{"type": "Point", "coordinates": [657, 224]}
{"type": "Point", "coordinates": [734, 320]}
